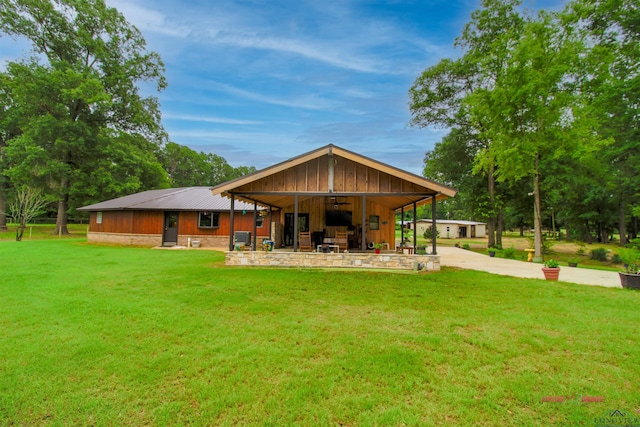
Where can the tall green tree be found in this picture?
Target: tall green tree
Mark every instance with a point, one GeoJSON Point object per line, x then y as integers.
{"type": "Point", "coordinates": [611, 76]}
{"type": "Point", "coordinates": [79, 99]}
{"type": "Point", "coordinates": [534, 111]}
{"type": "Point", "coordinates": [439, 96]}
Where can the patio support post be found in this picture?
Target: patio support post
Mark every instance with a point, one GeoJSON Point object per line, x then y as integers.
{"type": "Point", "coordinates": [295, 223]}
{"type": "Point", "coordinates": [363, 235]}
{"type": "Point", "coordinates": [401, 226]}
{"type": "Point", "coordinates": [434, 231]}
{"type": "Point", "coordinates": [271, 223]}
{"type": "Point", "coordinates": [415, 229]}
{"type": "Point", "coordinates": [231, 222]}
{"type": "Point", "coordinates": [255, 226]}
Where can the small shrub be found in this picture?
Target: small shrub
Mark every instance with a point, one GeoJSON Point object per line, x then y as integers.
{"type": "Point", "coordinates": [582, 251]}
{"type": "Point", "coordinates": [599, 254]}
{"type": "Point", "coordinates": [509, 253]}
{"type": "Point", "coordinates": [635, 243]}
{"type": "Point", "coordinates": [466, 246]}
{"type": "Point", "coordinates": [427, 234]}
{"type": "Point", "coordinates": [615, 259]}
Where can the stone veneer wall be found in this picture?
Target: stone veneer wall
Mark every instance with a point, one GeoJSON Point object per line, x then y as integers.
{"type": "Point", "coordinates": [315, 259]}
{"type": "Point", "coordinates": [152, 240]}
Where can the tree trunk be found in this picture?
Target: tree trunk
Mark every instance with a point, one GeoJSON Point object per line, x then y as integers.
{"type": "Point", "coordinates": [3, 208]}
{"type": "Point", "coordinates": [499, 228]}
{"type": "Point", "coordinates": [621, 224]}
{"type": "Point", "coordinates": [491, 223]}
{"type": "Point", "coordinates": [63, 203]}
{"type": "Point", "coordinates": [537, 219]}
{"type": "Point", "coordinates": [602, 231]}
{"type": "Point", "coordinates": [3, 196]}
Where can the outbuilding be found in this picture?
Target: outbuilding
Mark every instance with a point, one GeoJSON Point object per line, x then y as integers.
{"type": "Point", "coordinates": [453, 229]}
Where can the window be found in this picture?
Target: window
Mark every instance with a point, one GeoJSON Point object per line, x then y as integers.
{"type": "Point", "coordinates": [259, 221]}
{"type": "Point", "coordinates": [99, 218]}
{"type": "Point", "coordinates": [374, 222]}
{"type": "Point", "coordinates": [208, 219]}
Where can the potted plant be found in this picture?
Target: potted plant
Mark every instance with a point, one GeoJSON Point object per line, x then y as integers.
{"type": "Point", "coordinates": [377, 247]}
{"type": "Point", "coordinates": [551, 269]}
{"type": "Point", "coordinates": [492, 252]}
{"type": "Point", "coordinates": [630, 277]}
{"type": "Point", "coordinates": [573, 262]}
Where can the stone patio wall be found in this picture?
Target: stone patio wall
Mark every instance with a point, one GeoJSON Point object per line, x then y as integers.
{"type": "Point", "coordinates": [324, 260]}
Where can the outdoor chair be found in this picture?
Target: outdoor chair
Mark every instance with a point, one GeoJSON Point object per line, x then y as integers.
{"type": "Point", "coordinates": [341, 239]}
{"type": "Point", "coordinates": [304, 241]}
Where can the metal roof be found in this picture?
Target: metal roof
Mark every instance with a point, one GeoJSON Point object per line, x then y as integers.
{"type": "Point", "coordinates": [178, 199]}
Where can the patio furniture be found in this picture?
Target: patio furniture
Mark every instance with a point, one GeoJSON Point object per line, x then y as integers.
{"type": "Point", "coordinates": [304, 241]}
{"type": "Point", "coordinates": [341, 239]}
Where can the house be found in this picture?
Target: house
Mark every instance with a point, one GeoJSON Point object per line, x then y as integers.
{"type": "Point", "coordinates": [330, 191]}
{"type": "Point", "coordinates": [171, 217]}
{"type": "Point", "coordinates": [453, 229]}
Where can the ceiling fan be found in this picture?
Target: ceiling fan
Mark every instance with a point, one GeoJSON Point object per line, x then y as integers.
{"type": "Point", "coordinates": [336, 201]}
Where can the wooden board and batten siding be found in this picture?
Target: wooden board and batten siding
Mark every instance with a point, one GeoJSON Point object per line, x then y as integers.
{"type": "Point", "coordinates": [152, 222]}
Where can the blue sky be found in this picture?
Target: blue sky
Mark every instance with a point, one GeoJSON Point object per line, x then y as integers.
{"type": "Point", "coordinates": [260, 81]}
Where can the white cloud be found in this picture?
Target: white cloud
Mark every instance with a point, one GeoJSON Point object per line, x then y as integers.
{"type": "Point", "coordinates": [146, 19]}
{"type": "Point", "coordinates": [309, 102]}
{"type": "Point", "coordinates": [209, 119]}
{"type": "Point", "coordinates": [308, 49]}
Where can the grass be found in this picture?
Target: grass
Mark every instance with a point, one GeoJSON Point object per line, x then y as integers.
{"type": "Point", "coordinates": [43, 231]}
{"type": "Point", "coordinates": [111, 336]}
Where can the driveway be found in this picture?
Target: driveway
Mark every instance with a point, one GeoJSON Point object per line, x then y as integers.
{"type": "Point", "coordinates": [461, 258]}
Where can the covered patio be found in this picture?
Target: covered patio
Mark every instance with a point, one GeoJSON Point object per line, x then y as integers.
{"type": "Point", "coordinates": [331, 197]}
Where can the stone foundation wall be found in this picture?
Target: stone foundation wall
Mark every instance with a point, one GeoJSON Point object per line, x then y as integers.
{"type": "Point", "coordinates": [152, 240]}
{"type": "Point", "coordinates": [322, 260]}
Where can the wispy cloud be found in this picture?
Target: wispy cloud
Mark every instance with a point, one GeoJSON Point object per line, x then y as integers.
{"type": "Point", "coordinates": [209, 119]}
{"type": "Point", "coordinates": [146, 19]}
{"type": "Point", "coordinates": [309, 49]}
{"type": "Point", "coordinates": [308, 102]}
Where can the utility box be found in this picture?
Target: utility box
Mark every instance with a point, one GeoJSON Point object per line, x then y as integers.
{"type": "Point", "coordinates": [243, 237]}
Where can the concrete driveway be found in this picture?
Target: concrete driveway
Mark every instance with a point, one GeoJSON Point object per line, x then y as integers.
{"type": "Point", "coordinates": [457, 257]}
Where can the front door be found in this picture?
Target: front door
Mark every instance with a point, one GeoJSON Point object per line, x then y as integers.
{"type": "Point", "coordinates": [170, 235]}
{"type": "Point", "coordinates": [303, 225]}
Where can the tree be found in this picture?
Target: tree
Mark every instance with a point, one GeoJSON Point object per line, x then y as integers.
{"type": "Point", "coordinates": [439, 96]}
{"type": "Point", "coordinates": [27, 203]}
{"type": "Point", "coordinates": [537, 115]}
{"type": "Point", "coordinates": [187, 167]}
{"type": "Point", "coordinates": [79, 106]}
{"type": "Point", "coordinates": [611, 78]}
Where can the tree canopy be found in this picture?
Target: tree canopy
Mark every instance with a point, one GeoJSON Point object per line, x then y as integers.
{"type": "Point", "coordinates": [73, 117]}
{"type": "Point", "coordinates": [548, 101]}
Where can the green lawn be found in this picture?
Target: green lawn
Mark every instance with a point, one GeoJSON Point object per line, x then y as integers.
{"type": "Point", "coordinates": [110, 336]}
{"type": "Point", "coordinates": [43, 231]}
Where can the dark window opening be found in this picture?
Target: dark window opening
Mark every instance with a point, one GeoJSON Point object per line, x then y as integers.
{"type": "Point", "coordinates": [208, 219]}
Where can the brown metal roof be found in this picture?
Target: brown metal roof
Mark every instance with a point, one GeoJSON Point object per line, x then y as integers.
{"type": "Point", "coordinates": [178, 199]}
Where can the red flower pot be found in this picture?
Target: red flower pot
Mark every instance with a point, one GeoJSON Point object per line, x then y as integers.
{"type": "Point", "coordinates": [551, 273]}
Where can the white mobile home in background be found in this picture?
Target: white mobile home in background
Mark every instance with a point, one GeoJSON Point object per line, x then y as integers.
{"type": "Point", "coordinates": [452, 229]}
